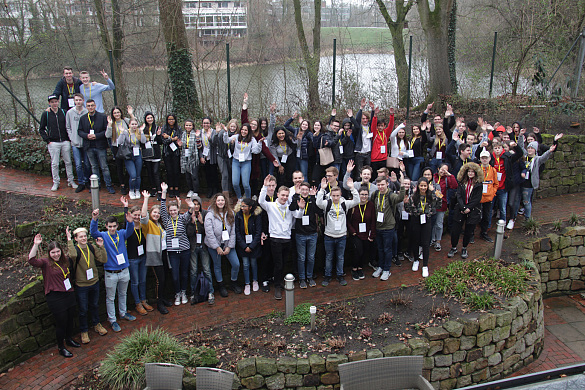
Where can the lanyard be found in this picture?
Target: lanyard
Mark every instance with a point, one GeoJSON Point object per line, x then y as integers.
{"type": "Point", "coordinates": [528, 162]}
{"type": "Point", "coordinates": [90, 122]}
{"type": "Point", "coordinates": [306, 206]}
{"type": "Point", "coordinates": [223, 220]}
{"type": "Point", "coordinates": [382, 138]}
{"type": "Point", "coordinates": [84, 256]}
{"type": "Point", "coordinates": [441, 144]}
{"type": "Point", "coordinates": [423, 205]}
{"type": "Point", "coordinates": [283, 147]}
{"type": "Point", "coordinates": [135, 138]}
{"type": "Point", "coordinates": [64, 274]}
{"type": "Point", "coordinates": [468, 191]}
{"type": "Point", "coordinates": [84, 92]}
{"type": "Point", "coordinates": [115, 242]}
{"type": "Point", "coordinates": [271, 198]}
{"type": "Point", "coordinates": [498, 166]}
{"type": "Point", "coordinates": [246, 218]}
{"type": "Point", "coordinates": [413, 141]}
{"type": "Point", "coordinates": [337, 209]}
{"type": "Point", "coordinates": [381, 204]}
{"type": "Point", "coordinates": [363, 213]}
{"type": "Point", "coordinates": [244, 145]}
{"type": "Point", "coordinates": [283, 215]}
{"type": "Point", "coordinates": [71, 89]}
{"type": "Point", "coordinates": [188, 137]}
{"type": "Point", "coordinates": [138, 234]}
{"type": "Point", "coordinates": [175, 224]}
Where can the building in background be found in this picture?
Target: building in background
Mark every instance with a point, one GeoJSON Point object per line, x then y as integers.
{"type": "Point", "coordinates": [214, 18]}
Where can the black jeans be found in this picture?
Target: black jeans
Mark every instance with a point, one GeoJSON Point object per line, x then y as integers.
{"type": "Point", "coordinates": [173, 166]}
{"type": "Point", "coordinates": [159, 276]}
{"type": "Point", "coordinates": [211, 177]}
{"type": "Point", "coordinates": [362, 249]}
{"type": "Point", "coordinates": [153, 175]}
{"type": "Point", "coordinates": [421, 235]}
{"type": "Point", "coordinates": [280, 249]}
{"type": "Point", "coordinates": [193, 179]}
{"type": "Point", "coordinates": [456, 231]}
{"type": "Point", "coordinates": [120, 164]}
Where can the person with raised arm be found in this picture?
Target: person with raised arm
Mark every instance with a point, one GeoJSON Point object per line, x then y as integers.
{"type": "Point", "coordinates": [153, 134]}
{"type": "Point", "coordinates": [245, 145]}
{"type": "Point", "coordinates": [364, 136]}
{"type": "Point", "coordinates": [365, 176]}
{"type": "Point", "coordinates": [82, 165]}
{"type": "Point", "coordinates": [381, 138]}
{"type": "Point", "coordinates": [135, 139]}
{"type": "Point", "coordinates": [93, 90]}
{"type": "Point", "coordinates": [361, 229]}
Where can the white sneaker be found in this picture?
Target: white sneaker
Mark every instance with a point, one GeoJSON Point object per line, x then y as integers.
{"type": "Point", "coordinates": [415, 266]}
{"type": "Point", "coordinates": [131, 195]}
{"type": "Point", "coordinates": [510, 225]}
{"type": "Point", "coordinates": [194, 194]}
{"type": "Point", "coordinates": [136, 194]}
{"type": "Point", "coordinates": [55, 187]}
{"type": "Point", "coordinates": [189, 194]}
{"type": "Point", "coordinates": [377, 272]}
{"type": "Point", "coordinates": [72, 184]}
{"type": "Point", "coordinates": [425, 272]}
{"type": "Point", "coordinates": [385, 275]}
{"type": "Point", "coordinates": [184, 299]}
{"type": "Point", "coordinates": [255, 286]}
{"type": "Point", "coordinates": [177, 299]}
{"type": "Point", "coordinates": [247, 289]}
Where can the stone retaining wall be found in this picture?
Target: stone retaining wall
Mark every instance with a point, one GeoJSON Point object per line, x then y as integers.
{"type": "Point", "coordinates": [565, 171]}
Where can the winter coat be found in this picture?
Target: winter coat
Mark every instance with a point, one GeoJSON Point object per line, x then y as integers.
{"type": "Point", "coordinates": [254, 229]}
{"type": "Point", "coordinates": [474, 201]}
{"type": "Point", "coordinates": [213, 232]}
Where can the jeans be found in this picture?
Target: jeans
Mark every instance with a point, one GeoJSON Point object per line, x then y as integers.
{"type": "Point", "coordinates": [193, 179]}
{"type": "Point", "coordinates": [82, 165]}
{"type": "Point", "coordinates": [306, 247]}
{"type": "Point", "coordinates": [434, 164]}
{"type": "Point", "coordinates": [222, 164]}
{"type": "Point", "coordinates": [334, 246]}
{"type": "Point", "coordinates": [247, 262]}
{"type": "Point", "coordinates": [386, 241]}
{"type": "Point", "coordinates": [134, 168]}
{"type": "Point", "coordinates": [514, 197]}
{"type": "Point", "coordinates": [303, 166]}
{"type": "Point", "coordinates": [180, 269]}
{"type": "Point", "coordinates": [88, 304]}
{"type": "Point", "coordinates": [116, 281]}
{"type": "Point", "coordinates": [437, 232]}
{"type": "Point", "coordinates": [500, 202]}
{"type": "Point", "coordinates": [243, 170]}
{"type": "Point", "coordinates": [152, 168]}
{"type": "Point", "coordinates": [413, 167]}
{"type": "Point", "coordinates": [200, 253]}
{"type": "Point", "coordinates": [97, 159]}
{"type": "Point", "coordinates": [138, 279]}
{"type": "Point", "coordinates": [527, 201]}
{"type": "Point", "coordinates": [234, 262]}
{"type": "Point", "coordinates": [361, 159]}
{"type": "Point", "coordinates": [56, 151]}
{"type": "Point", "coordinates": [486, 216]}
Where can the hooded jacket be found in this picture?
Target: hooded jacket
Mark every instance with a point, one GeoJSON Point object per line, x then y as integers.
{"type": "Point", "coordinates": [348, 141]}
{"type": "Point", "coordinates": [254, 230]}
{"type": "Point", "coordinates": [54, 126]}
{"type": "Point", "coordinates": [474, 201]}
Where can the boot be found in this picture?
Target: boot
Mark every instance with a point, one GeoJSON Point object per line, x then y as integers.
{"type": "Point", "coordinates": [161, 307]}
{"type": "Point", "coordinates": [223, 290]}
{"type": "Point", "coordinates": [147, 306]}
{"type": "Point", "coordinates": [141, 309]}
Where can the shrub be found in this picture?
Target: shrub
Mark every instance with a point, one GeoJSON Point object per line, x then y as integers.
{"type": "Point", "coordinates": [25, 153]}
{"type": "Point", "coordinates": [532, 227]}
{"type": "Point", "coordinates": [301, 315]}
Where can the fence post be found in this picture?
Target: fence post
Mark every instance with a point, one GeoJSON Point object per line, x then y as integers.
{"type": "Point", "coordinates": [493, 62]}
{"type": "Point", "coordinates": [334, 58]}
{"type": "Point", "coordinates": [19, 102]}
{"type": "Point", "coordinates": [229, 91]}
{"type": "Point", "coordinates": [579, 68]}
{"type": "Point", "coordinates": [113, 75]}
{"type": "Point", "coordinates": [409, 75]}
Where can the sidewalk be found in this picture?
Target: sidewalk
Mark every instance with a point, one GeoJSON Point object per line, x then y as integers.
{"type": "Point", "coordinates": [48, 370]}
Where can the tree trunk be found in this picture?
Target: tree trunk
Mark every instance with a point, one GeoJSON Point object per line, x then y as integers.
{"type": "Point", "coordinates": [452, 40]}
{"type": "Point", "coordinates": [179, 68]}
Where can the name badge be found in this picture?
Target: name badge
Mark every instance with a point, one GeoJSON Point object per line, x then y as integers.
{"type": "Point", "coordinates": [205, 152]}
{"type": "Point", "coordinates": [337, 225]}
{"type": "Point", "coordinates": [410, 153]}
{"type": "Point", "coordinates": [340, 149]}
{"type": "Point", "coordinates": [163, 245]}
{"type": "Point", "coordinates": [229, 153]}
{"type": "Point", "coordinates": [362, 227]}
{"type": "Point", "coordinates": [89, 274]}
{"type": "Point", "coordinates": [225, 235]}
{"type": "Point", "coordinates": [173, 146]}
{"type": "Point", "coordinates": [120, 258]}
{"type": "Point", "coordinates": [148, 145]}
{"type": "Point", "coordinates": [283, 159]}
{"type": "Point", "coordinates": [187, 152]}
{"type": "Point", "coordinates": [175, 243]}
{"type": "Point", "coordinates": [299, 153]}
{"type": "Point", "coordinates": [71, 103]}
{"type": "Point", "coordinates": [136, 151]}
{"type": "Point", "coordinates": [380, 217]}
{"type": "Point", "coordinates": [499, 174]}
{"type": "Point", "coordinates": [140, 250]}
{"type": "Point", "coordinates": [527, 175]}
{"type": "Point", "coordinates": [383, 149]}
{"type": "Point", "coordinates": [404, 215]}
{"type": "Point", "coordinates": [370, 135]}
{"type": "Point", "coordinates": [67, 284]}
{"type": "Point", "coordinates": [199, 238]}
{"type": "Point", "coordinates": [439, 156]}
{"type": "Point", "coordinates": [423, 218]}
{"type": "Point", "coordinates": [485, 188]}
{"type": "Point", "coordinates": [92, 132]}
{"type": "Point", "coordinates": [248, 238]}
{"type": "Point", "coordinates": [266, 142]}
{"type": "Point", "coordinates": [241, 158]}
{"type": "Point", "coordinates": [305, 220]}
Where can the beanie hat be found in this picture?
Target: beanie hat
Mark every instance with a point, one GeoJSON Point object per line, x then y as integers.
{"type": "Point", "coordinates": [533, 145]}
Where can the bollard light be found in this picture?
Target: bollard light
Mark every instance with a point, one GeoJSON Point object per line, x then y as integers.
{"type": "Point", "coordinates": [94, 184]}
{"type": "Point", "coordinates": [499, 238]}
{"type": "Point", "coordinates": [313, 311]}
{"type": "Point", "coordinates": [289, 287]}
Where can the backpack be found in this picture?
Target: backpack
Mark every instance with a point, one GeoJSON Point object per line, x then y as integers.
{"type": "Point", "coordinates": [76, 263]}
{"type": "Point", "coordinates": [201, 289]}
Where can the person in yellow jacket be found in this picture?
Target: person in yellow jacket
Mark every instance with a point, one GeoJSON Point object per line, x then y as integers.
{"type": "Point", "coordinates": [489, 188]}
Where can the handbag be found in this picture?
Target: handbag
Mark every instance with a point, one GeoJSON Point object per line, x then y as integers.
{"type": "Point", "coordinates": [124, 152]}
{"type": "Point", "coordinates": [148, 152]}
{"type": "Point", "coordinates": [325, 155]}
{"type": "Point", "coordinates": [392, 162]}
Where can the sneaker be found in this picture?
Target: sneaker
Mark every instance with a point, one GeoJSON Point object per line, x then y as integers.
{"type": "Point", "coordinates": [72, 185]}
{"type": "Point", "coordinates": [438, 246]}
{"type": "Point", "coordinates": [452, 252]}
{"type": "Point", "coordinates": [472, 241]}
{"type": "Point", "coordinates": [425, 272]}
{"type": "Point", "coordinates": [99, 328]}
{"type": "Point", "coordinates": [397, 262]}
{"type": "Point", "coordinates": [184, 299]}
{"type": "Point", "coordinates": [189, 194]}
{"type": "Point", "coordinates": [223, 291]}
{"type": "Point", "coordinates": [162, 309]}
{"type": "Point", "coordinates": [193, 300]}
{"type": "Point", "coordinates": [510, 224]}
{"type": "Point", "coordinates": [433, 243]}
{"type": "Point", "coordinates": [247, 289]}
{"type": "Point", "coordinates": [141, 310]}
{"type": "Point", "coordinates": [326, 281]}
{"type": "Point", "coordinates": [277, 293]}
{"type": "Point", "coordinates": [400, 256]}
{"type": "Point", "coordinates": [211, 299]}
{"type": "Point", "coordinates": [265, 286]}
{"type": "Point", "coordinates": [385, 275]}
{"type": "Point", "coordinates": [137, 194]}
{"type": "Point", "coordinates": [111, 190]}
{"type": "Point", "coordinates": [116, 327]}
{"type": "Point", "coordinates": [80, 188]}
{"type": "Point", "coordinates": [342, 281]}
{"type": "Point", "coordinates": [84, 338]}
{"type": "Point", "coordinates": [361, 273]}
{"type": "Point", "coordinates": [177, 299]}
{"type": "Point", "coordinates": [255, 286]}
{"type": "Point", "coordinates": [354, 274]}
{"type": "Point", "coordinates": [303, 283]}
{"type": "Point", "coordinates": [235, 288]}
{"type": "Point", "coordinates": [464, 254]}
{"type": "Point", "coordinates": [311, 282]}
{"type": "Point", "coordinates": [377, 273]}
{"type": "Point", "coordinates": [415, 266]}
{"type": "Point", "coordinates": [485, 237]}
{"type": "Point", "coordinates": [131, 195]}
{"type": "Point", "coordinates": [55, 187]}
{"type": "Point", "coordinates": [128, 317]}
{"type": "Point", "coordinates": [409, 257]}
{"type": "Point", "coordinates": [521, 211]}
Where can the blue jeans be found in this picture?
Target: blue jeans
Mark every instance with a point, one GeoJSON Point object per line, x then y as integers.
{"type": "Point", "coordinates": [88, 303]}
{"type": "Point", "coordinates": [334, 247]}
{"type": "Point", "coordinates": [97, 159]}
{"type": "Point", "coordinates": [435, 163]}
{"type": "Point", "coordinates": [134, 168]}
{"type": "Point", "coordinates": [243, 169]}
{"type": "Point", "coordinates": [247, 262]}
{"type": "Point", "coordinates": [303, 166]}
{"type": "Point", "coordinates": [138, 279]}
{"type": "Point", "coordinates": [82, 165]}
{"type": "Point", "coordinates": [386, 242]}
{"type": "Point", "coordinates": [527, 200]}
{"type": "Point", "coordinates": [306, 247]}
{"type": "Point", "coordinates": [234, 262]}
{"type": "Point", "coordinates": [200, 253]}
{"type": "Point", "coordinates": [413, 167]}
{"type": "Point", "coordinates": [500, 202]}
{"type": "Point", "coordinates": [180, 269]}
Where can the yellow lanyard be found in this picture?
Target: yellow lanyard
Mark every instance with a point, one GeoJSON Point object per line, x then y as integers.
{"type": "Point", "coordinates": [115, 242]}
{"type": "Point", "coordinates": [64, 274]}
{"type": "Point", "coordinates": [188, 137]}
{"type": "Point", "coordinates": [223, 220]}
{"type": "Point", "coordinates": [175, 224]}
{"type": "Point", "coordinates": [205, 140]}
{"type": "Point", "coordinates": [135, 138]}
{"type": "Point", "coordinates": [528, 162]}
{"type": "Point", "coordinates": [423, 205]}
{"type": "Point", "coordinates": [90, 122]}
{"type": "Point", "coordinates": [283, 147]}
{"type": "Point", "coordinates": [271, 198]}
{"type": "Point", "coordinates": [441, 144]}
{"type": "Point", "coordinates": [242, 146]}
{"type": "Point", "coordinates": [138, 234]}
{"type": "Point", "coordinates": [84, 256]}
{"type": "Point", "coordinates": [412, 142]}
{"type": "Point", "coordinates": [363, 213]}
{"type": "Point", "coordinates": [89, 90]}
{"type": "Point", "coordinates": [246, 218]}
{"type": "Point", "coordinates": [337, 209]}
{"type": "Point", "coordinates": [282, 214]}
{"type": "Point", "coordinates": [381, 204]}
{"type": "Point", "coordinates": [306, 206]}
{"type": "Point", "coordinates": [383, 139]}
{"type": "Point", "coordinates": [71, 90]}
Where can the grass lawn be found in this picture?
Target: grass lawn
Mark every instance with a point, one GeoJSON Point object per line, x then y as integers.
{"type": "Point", "coordinates": [356, 36]}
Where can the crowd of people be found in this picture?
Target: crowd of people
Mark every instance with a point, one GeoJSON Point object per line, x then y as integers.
{"type": "Point", "coordinates": [358, 185]}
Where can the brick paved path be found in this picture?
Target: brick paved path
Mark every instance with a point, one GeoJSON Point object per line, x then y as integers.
{"type": "Point", "coordinates": [48, 370]}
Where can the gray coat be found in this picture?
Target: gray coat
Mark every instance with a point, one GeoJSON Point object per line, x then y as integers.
{"type": "Point", "coordinates": [213, 229]}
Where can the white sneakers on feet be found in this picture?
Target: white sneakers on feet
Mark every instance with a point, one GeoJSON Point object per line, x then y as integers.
{"type": "Point", "coordinates": [189, 194]}
{"type": "Point", "coordinates": [177, 299]}
{"type": "Point", "coordinates": [385, 275]}
{"type": "Point", "coordinates": [425, 272]}
{"type": "Point", "coordinates": [72, 184]}
{"type": "Point", "coordinates": [377, 272]}
{"type": "Point", "coordinates": [247, 289]}
{"type": "Point", "coordinates": [184, 299]}
{"type": "Point", "coordinates": [255, 286]}
{"type": "Point", "coordinates": [131, 195]}
{"type": "Point", "coordinates": [136, 194]}
{"type": "Point", "coordinates": [510, 225]}
{"type": "Point", "coordinates": [55, 187]}
{"type": "Point", "coordinates": [415, 266]}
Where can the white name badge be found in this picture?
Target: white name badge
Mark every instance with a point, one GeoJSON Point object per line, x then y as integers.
{"type": "Point", "coordinates": [173, 146]}
{"type": "Point", "coordinates": [136, 151]}
{"type": "Point", "coordinates": [299, 153]}
{"type": "Point", "coordinates": [205, 152]}
{"type": "Point", "coordinates": [499, 174]}
{"type": "Point", "coordinates": [199, 238]}
{"type": "Point", "coordinates": [404, 215]}
{"type": "Point", "coordinates": [163, 245]}
{"type": "Point", "coordinates": [67, 284]}
{"type": "Point", "coordinates": [380, 217]}
{"type": "Point", "coordinates": [148, 145]}
{"type": "Point", "coordinates": [439, 156]}
{"type": "Point", "coordinates": [241, 158]}
{"type": "Point", "coordinates": [140, 250]}
{"type": "Point", "coordinates": [370, 135]}
{"type": "Point", "coordinates": [71, 104]}
{"type": "Point", "coordinates": [305, 220]}
{"type": "Point", "coordinates": [89, 274]}
{"type": "Point", "coordinates": [283, 159]}
{"type": "Point", "coordinates": [92, 132]}
{"type": "Point", "coordinates": [248, 238]}
{"type": "Point", "coordinates": [527, 175]}
{"type": "Point", "coordinates": [423, 218]}
{"type": "Point", "coordinates": [383, 149]}
{"type": "Point", "coordinates": [175, 243]}
{"type": "Point", "coordinates": [120, 258]}
{"type": "Point", "coordinates": [410, 153]}
{"type": "Point", "coordinates": [362, 227]}
{"type": "Point", "coordinates": [266, 142]}
{"type": "Point", "coordinates": [187, 152]}
{"type": "Point", "coordinates": [337, 225]}
{"type": "Point", "coordinates": [340, 149]}
{"type": "Point", "coordinates": [229, 153]}
{"type": "Point", "coordinates": [225, 235]}
{"type": "Point", "coordinates": [485, 188]}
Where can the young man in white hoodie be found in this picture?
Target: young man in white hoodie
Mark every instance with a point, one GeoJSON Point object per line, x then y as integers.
{"type": "Point", "coordinates": [280, 221]}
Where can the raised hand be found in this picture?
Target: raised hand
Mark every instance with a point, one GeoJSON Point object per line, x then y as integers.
{"type": "Point", "coordinates": [323, 183]}
{"type": "Point", "coordinates": [429, 107]}
{"type": "Point", "coordinates": [130, 110]}
{"type": "Point", "coordinates": [38, 239]}
{"type": "Point", "coordinates": [146, 194]}
{"type": "Point", "coordinates": [350, 166]}
{"type": "Point", "coordinates": [376, 110]}
{"type": "Point", "coordinates": [301, 203]}
{"type": "Point", "coordinates": [313, 191]}
{"type": "Point", "coordinates": [164, 186]}
{"type": "Point", "coordinates": [362, 103]}
{"type": "Point", "coordinates": [99, 241]}
{"type": "Point", "coordinates": [391, 111]}
{"type": "Point", "coordinates": [371, 105]}
{"type": "Point", "coordinates": [68, 233]}
{"type": "Point", "coordinates": [349, 112]}
{"type": "Point", "coordinates": [267, 180]}
{"type": "Point", "coordinates": [129, 217]}
{"type": "Point", "coordinates": [273, 108]}
{"type": "Point", "coordinates": [535, 130]}
{"type": "Point", "coordinates": [553, 148]}
{"type": "Point", "coordinates": [558, 136]}
{"type": "Point", "coordinates": [189, 203]}
{"type": "Point", "coordinates": [350, 183]}
{"type": "Point", "coordinates": [110, 121]}
{"type": "Point", "coordinates": [295, 115]}
{"type": "Point", "coordinates": [95, 214]}
{"type": "Point", "coordinates": [218, 127]}
{"type": "Point", "coordinates": [124, 201]}
{"type": "Point", "coordinates": [245, 97]}
{"type": "Point", "coordinates": [333, 112]}
{"type": "Point", "coordinates": [104, 74]}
